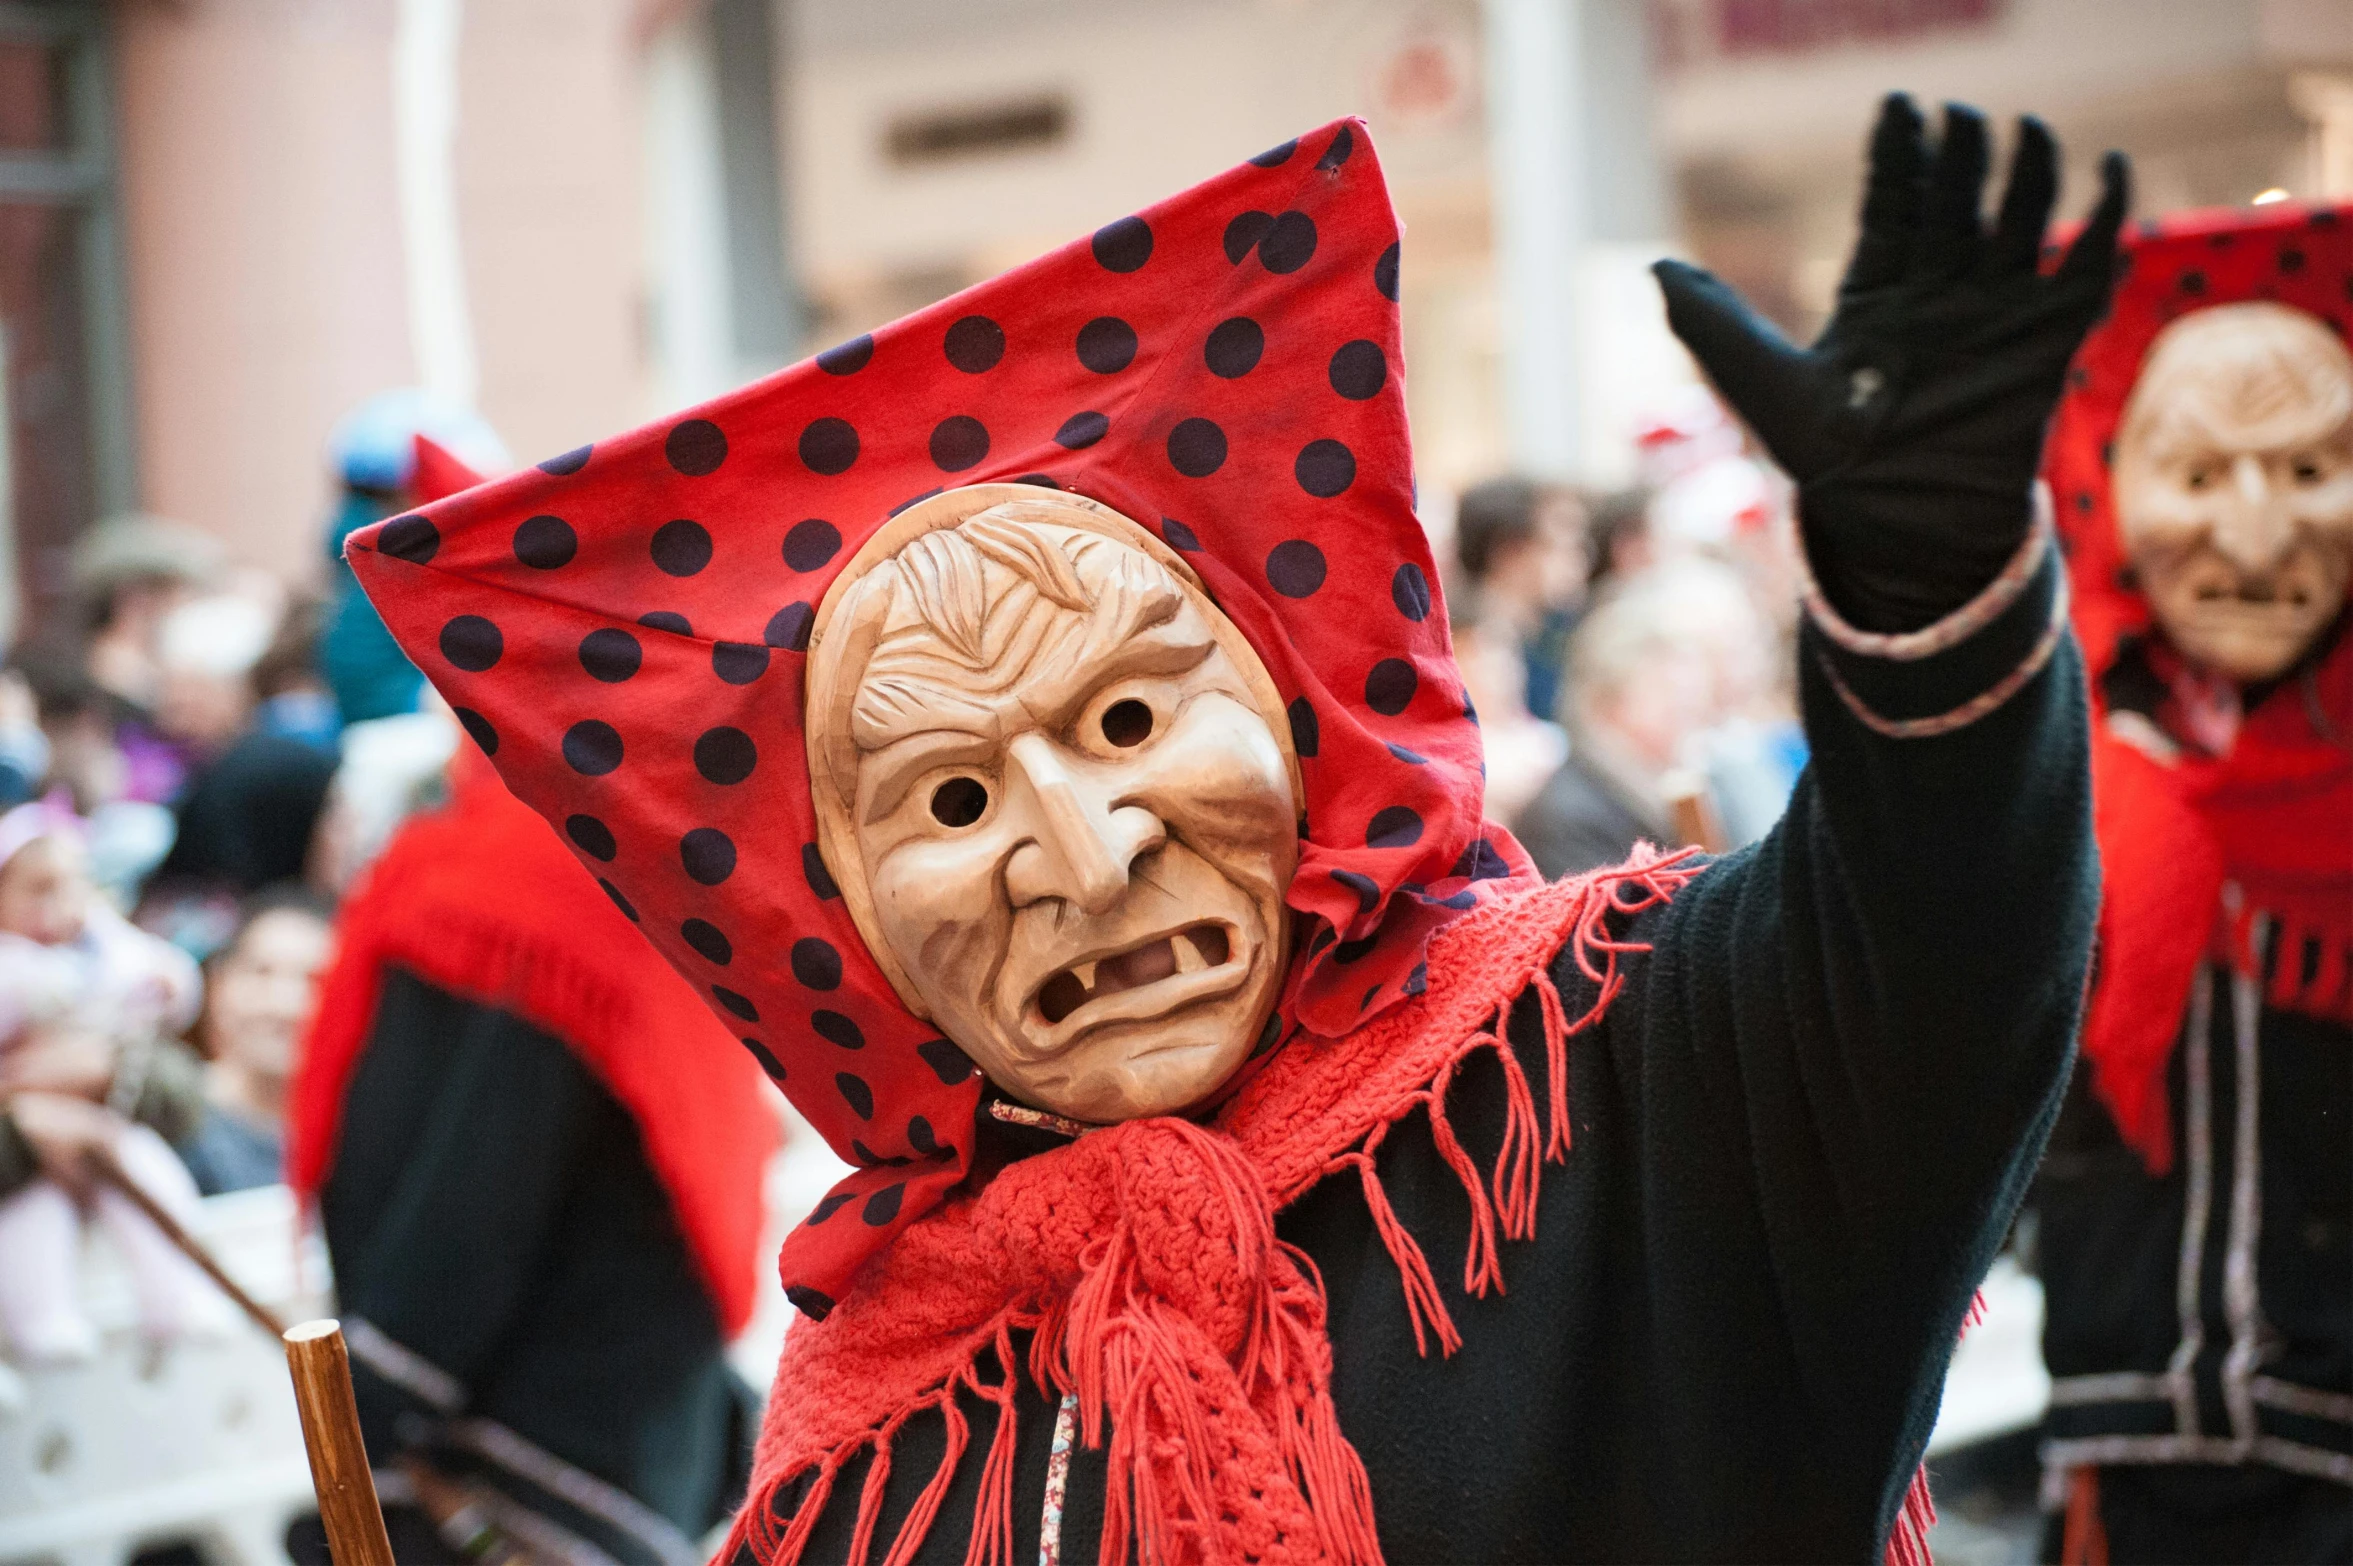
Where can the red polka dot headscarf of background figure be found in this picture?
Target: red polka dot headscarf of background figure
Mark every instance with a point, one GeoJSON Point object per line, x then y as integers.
{"type": "Point", "coordinates": [2275, 812]}
{"type": "Point", "coordinates": [623, 629]}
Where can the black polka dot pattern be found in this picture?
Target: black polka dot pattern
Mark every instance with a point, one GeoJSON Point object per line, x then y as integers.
{"type": "Point", "coordinates": [410, 538]}
{"type": "Point", "coordinates": [592, 747]}
{"type": "Point", "coordinates": [1244, 231]}
{"type": "Point", "coordinates": [882, 1207]}
{"type": "Point", "coordinates": [1359, 370]}
{"type": "Point", "coordinates": [855, 1093]}
{"type": "Point", "coordinates": [1289, 243]}
{"type": "Point", "coordinates": [950, 1064]}
{"type": "Point", "coordinates": [1305, 732]}
{"type": "Point", "coordinates": [1196, 448]}
{"type": "Point", "coordinates": [1123, 246]}
{"type": "Point", "coordinates": [958, 442]}
{"type": "Point", "coordinates": [810, 543]}
{"type": "Point", "coordinates": [789, 627]}
{"type": "Point", "coordinates": [1276, 157]}
{"type": "Point", "coordinates": [592, 837]}
{"type": "Point", "coordinates": [767, 1059]}
{"type": "Point", "coordinates": [814, 872]}
{"type": "Point", "coordinates": [1409, 757]}
{"type": "Point", "coordinates": [1389, 688]}
{"type": "Point", "coordinates": [1385, 273]}
{"type": "Point", "coordinates": [1106, 345]}
{"type": "Point", "coordinates": [828, 446]}
{"type": "Point", "coordinates": [478, 728]}
{"type": "Point", "coordinates": [1234, 347]}
{"type": "Point", "coordinates": [739, 663]}
{"type": "Point", "coordinates": [1295, 568]}
{"type": "Point", "coordinates": [1325, 468]}
{"type": "Point", "coordinates": [975, 344]}
{"type": "Point", "coordinates": [1409, 590]}
{"type": "Point", "coordinates": [665, 620]}
{"type": "Point", "coordinates": [620, 902]}
{"type": "Point", "coordinates": [1394, 826]}
{"type": "Point", "coordinates": [816, 964]}
{"type": "Point", "coordinates": [708, 855]}
{"type": "Point", "coordinates": [709, 942]}
{"type": "Point", "coordinates": [1179, 536]}
{"type": "Point", "coordinates": [737, 1005]}
{"type": "Point", "coordinates": [1082, 430]}
{"type": "Point", "coordinates": [568, 463]}
{"type": "Point", "coordinates": [681, 548]}
{"type": "Point", "coordinates": [1337, 153]}
{"type": "Point", "coordinates": [545, 543]}
{"type": "Point", "coordinates": [837, 1029]}
{"type": "Point", "coordinates": [1367, 890]}
{"type": "Point", "coordinates": [725, 755]}
{"type": "Point", "coordinates": [921, 1138]}
{"type": "Point", "coordinates": [847, 358]}
{"type": "Point", "coordinates": [1481, 862]}
{"type": "Point", "coordinates": [695, 447]}
{"type": "Point", "coordinates": [472, 643]}
{"type": "Point", "coordinates": [610, 655]}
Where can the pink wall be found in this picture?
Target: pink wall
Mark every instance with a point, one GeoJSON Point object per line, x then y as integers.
{"type": "Point", "coordinates": [263, 249]}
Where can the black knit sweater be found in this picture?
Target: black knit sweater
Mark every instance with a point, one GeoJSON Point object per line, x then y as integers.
{"type": "Point", "coordinates": [1800, 1133]}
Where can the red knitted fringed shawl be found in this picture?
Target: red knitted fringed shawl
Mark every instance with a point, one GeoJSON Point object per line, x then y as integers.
{"type": "Point", "coordinates": [1143, 1262]}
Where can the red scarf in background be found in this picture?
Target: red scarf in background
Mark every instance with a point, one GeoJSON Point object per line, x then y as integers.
{"type": "Point", "coordinates": [2272, 816]}
{"type": "Point", "coordinates": [479, 899]}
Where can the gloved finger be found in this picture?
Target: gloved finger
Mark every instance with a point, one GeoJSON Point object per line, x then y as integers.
{"type": "Point", "coordinates": [2026, 204]}
{"type": "Point", "coordinates": [1891, 197]}
{"type": "Point", "coordinates": [2091, 261]}
{"type": "Point", "coordinates": [1951, 232]}
{"type": "Point", "coordinates": [1758, 371]}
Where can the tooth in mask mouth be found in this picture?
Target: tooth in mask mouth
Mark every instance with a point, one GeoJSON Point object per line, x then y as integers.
{"type": "Point", "coordinates": [1193, 950]}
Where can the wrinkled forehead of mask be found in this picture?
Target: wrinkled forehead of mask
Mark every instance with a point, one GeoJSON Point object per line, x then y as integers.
{"type": "Point", "coordinates": [2250, 377]}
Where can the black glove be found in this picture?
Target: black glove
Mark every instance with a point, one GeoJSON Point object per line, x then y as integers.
{"type": "Point", "coordinates": [1914, 425]}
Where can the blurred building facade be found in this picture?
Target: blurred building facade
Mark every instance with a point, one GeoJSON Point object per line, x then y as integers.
{"type": "Point", "coordinates": [222, 222]}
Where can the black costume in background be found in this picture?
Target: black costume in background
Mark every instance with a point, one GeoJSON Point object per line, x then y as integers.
{"type": "Point", "coordinates": [491, 1214]}
{"type": "Point", "coordinates": [1800, 1134]}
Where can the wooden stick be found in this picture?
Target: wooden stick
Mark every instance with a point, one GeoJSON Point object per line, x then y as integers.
{"type": "Point", "coordinates": [338, 1457]}
{"type": "Point", "coordinates": [104, 1168]}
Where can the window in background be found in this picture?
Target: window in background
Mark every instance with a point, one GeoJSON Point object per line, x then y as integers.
{"type": "Point", "coordinates": [63, 394]}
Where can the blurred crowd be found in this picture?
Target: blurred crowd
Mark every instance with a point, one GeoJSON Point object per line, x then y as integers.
{"type": "Point", "coordinates": [1628, 651]}
{"type": "Point", "coordinates": [190, 779]}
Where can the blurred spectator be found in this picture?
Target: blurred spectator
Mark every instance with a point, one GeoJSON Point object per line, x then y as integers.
{"type": "Point", "coordinates": [291, 698]}
{"type": "Point", "coordinates": [391, 769]}
{"type": "Point", "coordinates": [1617, 537]}
{"type": "Point", "coordinates": [260, 992]}
{"type": "Point", "coordinates": [374, 454]}
{"type": "Point", "coordinates": [1522, 548]}
{"type": "Point", "coordinates": [537, 1158]}
{"type": "Point", "coordinates": [24, 744]}
{"type": "Point", "coordinates": [252, 806]}
{"type": "Point", "coordinates": [1664, 676]}
{"type": "Point", "coordinates": [81, 722]}
{"type": "Point", "coordinates": [85, 1002]}
{"type": "Point", "coordinates": [129, 573]}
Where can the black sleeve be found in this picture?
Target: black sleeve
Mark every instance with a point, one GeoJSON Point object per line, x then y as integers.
{"type": "Point", "coordinates": [455, 1162]}
{"type": "Point", "coordinates": [1843, 1053]}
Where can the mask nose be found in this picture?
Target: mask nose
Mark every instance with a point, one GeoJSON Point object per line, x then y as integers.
{"type": "Point", "coordinates": [1080, 845]}
{"type": "Point", "coordinates": [2254, 530]}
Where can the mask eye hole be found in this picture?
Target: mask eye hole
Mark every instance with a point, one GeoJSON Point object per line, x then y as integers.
{"type": "Point", "coordinates": [959, 802]}
{"type": "Point", "coordinates": [1127, 723]}
{"type": "Point", "coordinates": [2306, 469]}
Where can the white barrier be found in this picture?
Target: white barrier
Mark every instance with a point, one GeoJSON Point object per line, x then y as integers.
{"type": "Point", "coordinates": [196, 1444]}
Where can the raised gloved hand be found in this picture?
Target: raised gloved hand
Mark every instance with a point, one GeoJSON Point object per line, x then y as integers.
{"type": "Point", "coordinates": [1914, 424]}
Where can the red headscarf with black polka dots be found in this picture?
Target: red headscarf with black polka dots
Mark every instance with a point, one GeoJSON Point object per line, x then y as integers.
{"type": "Point", "coordinates": [2273, 814]}
{"type": "Point", "coordinates": [622, 628]}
